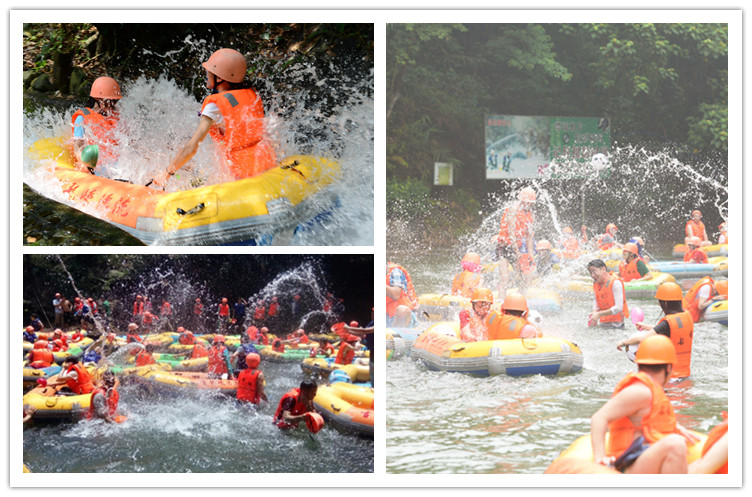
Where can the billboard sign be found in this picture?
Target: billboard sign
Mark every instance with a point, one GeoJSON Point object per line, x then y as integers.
{"type": "Point", "coordinates": [443, 174]}
{"type": "Point", "coordinates": [546, 147]}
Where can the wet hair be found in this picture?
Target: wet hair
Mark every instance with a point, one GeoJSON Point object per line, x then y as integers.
{"type": "Point", "coordinates": [308, 385]}
{"type": "Point", "coordinates": [514, 312]}
{"type": "Point", "coordinates": [150, 348]}
{"type": "Point", "coordinates": [653, 368]}
{"type": "Point", "coordinates": [71, 360]}
{"type": "Point", "coordinates": [597, 263]}
{"type": "Point", "coordinates": [671, 306]}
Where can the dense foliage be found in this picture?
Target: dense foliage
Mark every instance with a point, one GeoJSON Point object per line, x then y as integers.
{"type": "Point", "coordinates": [657, 83]}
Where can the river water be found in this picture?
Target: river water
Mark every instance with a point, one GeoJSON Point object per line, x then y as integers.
{"type": "Point", "coordinates": [196, 434]}
{"type": "Point", "coordinates": [453, 423]}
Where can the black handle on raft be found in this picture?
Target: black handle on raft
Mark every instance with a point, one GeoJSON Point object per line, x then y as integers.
{"type": "Point", "coordinates": [195, 210]}
{"type": "Point", "coordinates": [292, 166]}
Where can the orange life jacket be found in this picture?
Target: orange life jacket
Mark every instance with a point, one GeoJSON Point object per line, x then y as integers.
{"type": "Point", "coordinates": [345, 354]}
{"type": "Point", "coordinates": [521, 227]}
{"type": "Point", "coordinates": [603, 245]}
{"type": "Point", "coordinates": [715, 434]}
{"type": "Point", "coordinates": [138, 308]}
{"type": "Point", "coordinates": [84, 383]}
{"type": "Point", "coordinates": [505, 326]}
{"type": "Point", "coordinates": [252, 333]}
{"type": "Point", "coordinates": [40, 358]}
{"type": "Point", "coordinates": [691, 300]}
{"type": "Point", "coordinates": [657, 423]}
{"type": "Point", "coordinates": [199, 351]}
{"type": "Point", "coordinates": [248, 386]}
{"type": "Point", "coordinates": [198, 309]}
{"type": "Point", "coordinates": [224, 309]}
{"type": "Point", "coordinates": [186, 339]}
{"type": "Point", "coordinates": [246, 150]}
{"type": "Point", "coordinates": [272, 309]}
{"type": "Point", "coordinates": [143, 358]}
{"type": "Point", "coordinates": [696, 255]}
{"type": "Point", "coordinates": [571, 248]}
{"type": "Point", "coordinates": [259, 312]}
{"type": "Point", "coordinates": [217, 365]}
{"type": "Point", "coordinates": [682, 331]}
{"type": "Point", "coordinates": [100, 131]}
{"type": "Point", "coordinates": [407, 298]}
{"type": "Point", "coordinates": [465, 283]}
{"type": "Point", "coordinates": [629, 272]}
{"type": "Point", "coordinates": [298, 409]}
{"type": "Point", "coordinates": [166, 309]}
{"type": "Point", "coordinates": [695, 228]}
{"type": "Point", "coordinates": [604, 299]}
{"type": "Point", "coordinates": [476, 329]}
{"type": "Point", "coordinates": [112, 402]}
{"type": "Point", "coordinates": [278, 346]}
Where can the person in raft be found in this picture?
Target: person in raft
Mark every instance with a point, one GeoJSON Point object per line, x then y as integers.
{"type": "Point", "coordinates": [633, 267]}
{"type": "Point", "coordinates": [677, 326]}
{"type": "Point", "coordinates": [693, 253]}
{"type": "Point", "coordinates": [723, 233]}
{"type": "Point", "coordinates": [644, 436]}
{"type": "Point", "coordinates": [473, 323]}
{"type": "Point", "coordinates": [251, 381]}
{"type": "Point", "coordinates": [695, 227]}
{"type": "Point", "coordinates": [610, 307]}
{"type": "Point", "coordinates": [401, 299]}
{"type": "Point", "coordinates": [295, 404]}
{"type": "Point", "coordinates": [465, 283]}
{"type": "Point", "coordinates": [94, 127]}
{"type": "Point", "coordinates": [704, 293]}
{"type": "Point", "coordinates": [512, 321]}
{"type": "Point", "coordinates": [234, 117]}
{"type": "Point", "coordinates": [607, 240]}
{"type": "Point", "coordinates": [104, 400]}
{"type": "Point", "coordinates": [74, 376]}
{"type": "Point", "coordinates": [516, 235]}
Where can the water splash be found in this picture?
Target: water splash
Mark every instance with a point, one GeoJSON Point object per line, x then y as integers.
{"type": "Point", "coordinates": [157, 117]}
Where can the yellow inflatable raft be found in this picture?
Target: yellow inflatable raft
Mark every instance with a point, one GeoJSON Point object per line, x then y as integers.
{"type": "Point", "coordinates": [439, 348]}
{"type": "Point", "coordinates": [262, 210]}
{"type": "Point", "coordinates": [346, 406]}
{"type": "Point", "coordinates": [717, 312]}
{"type": "Point", "coordinates": [583, 286]}
{"type": "Point", "coordinates": [51, 406]}
{"type": "Point", "coordinates": [171, 382]}
{"type": "Point", "coordinates": [357, 371]}
{"type": "Point", "coordinates": [712, 250]}
{"type": "Point", "coordinates": [578, 457]}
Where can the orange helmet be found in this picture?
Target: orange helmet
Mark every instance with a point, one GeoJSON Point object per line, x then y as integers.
{"type": "Point", "coordinates": [314, 422]}
{"type": "Point", "coordinates": [228, 64]}
{"type": "Point", "coordinates": [722, 226]}
{"type": "Point", "coordinates": [471, 257]}
{"type": "Point", "coordinates": [253, 360]}
{"type": "Point", "coordinates": [198, 300]}
{"type": "Point", "coordinates": [696, 212]}
{"type": "Point", "coordinates": [567, 229]}
{"type": "Point", "coordinates": [669, 291]}
{"type": "Point", "coordinates": [543, 245]}
{"type": "Point", "coordinates": [721, 287]}
{"type": "Point", "coordinates": [527, 194]}
{"type": "Point", "coordinates": [611, 225]}
{"type": "Point", "coordinates": [224, 300]}
{"type": "Point", "coordinates": [30, 328]}
{"type": "Point", "coordinates": [694, 241]}
{"type": "Point", "coordinates": [354, 324]}
{"type": "Point", "coordinates": [181, 329]}
{"type": "Point", "coordinates": [58, 342]}
{"type": "Point", "coordinates": [219, 339]}
{"type": "Point", "coordinates": [106, 87]}
{"type": "Point", "coordinates": [631, 247]}
{"type": "Point", "coordinates": [515, 302]}
{"type": "Point", "coordinates": [482, 295]}
{"type": "Point", "coordinates": [656, 349]}
{"type": "Point", "coordinates": [40, 344]}
{"type": "Point", "coordinates": [132, 326]}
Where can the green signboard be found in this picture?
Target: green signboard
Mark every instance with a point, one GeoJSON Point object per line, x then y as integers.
{"type": "Point", "coordinates": [546, 147]}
